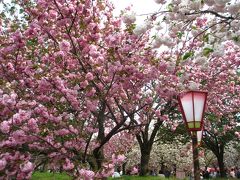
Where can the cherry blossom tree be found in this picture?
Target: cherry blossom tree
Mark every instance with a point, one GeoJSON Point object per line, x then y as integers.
{"type": "Point", "coordinates": [198, 42]}
{"type": "Point", "coordinates": [73, 78]}
{"type": "Point", "coordinates": [166, 154]}
{"type": "Point", "coordinates": [231, 154]}
{"type": "Point", "coordinates": [218, 134]}
{"type": "Point", "coordinates": [154, 115]}
{"type": "Point", "coordinates": [70, 81]}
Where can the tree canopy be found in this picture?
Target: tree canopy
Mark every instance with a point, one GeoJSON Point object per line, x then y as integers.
{"type": "Point", "coordinates": [77, 84]}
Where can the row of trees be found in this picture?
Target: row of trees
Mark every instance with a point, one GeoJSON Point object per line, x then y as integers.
{"type": "Point", "coordinates": [78, 84]}
{"type": "Point", "coordinates": [175, 155]}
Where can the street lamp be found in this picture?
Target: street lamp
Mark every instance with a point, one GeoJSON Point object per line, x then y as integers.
{"type": "Point", "coordinates": [192, 106]}
{"type": "Point", "coordinates": [199, 137]}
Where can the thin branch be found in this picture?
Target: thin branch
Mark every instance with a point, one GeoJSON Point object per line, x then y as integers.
{"type": "Point", "coordinates": [211, 12]}
{"type": "Point", "coordinates": [153, 14]}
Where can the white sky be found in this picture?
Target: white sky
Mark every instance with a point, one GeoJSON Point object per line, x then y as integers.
{"type": "Point", "coordinates": [139, 6]}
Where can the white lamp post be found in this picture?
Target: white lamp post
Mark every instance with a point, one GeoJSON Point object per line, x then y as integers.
{"type": "Point", "coordinates": [199, 137]}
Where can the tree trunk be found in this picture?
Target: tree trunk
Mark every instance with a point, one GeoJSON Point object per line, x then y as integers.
{"type": "Point", "coordinates": [99, 157]}
{"type": "Point", "coordinates": [92, 162]}
{"type": "Point", "coordinates": [145, 144]}
{"type": "Point", "coordinates": [221, 165]}
{"type": "Point", "coordinates": [145, 156]}
{"type": "Point", "coordinates": [124, 168]}
{"type": "Point", "coordinates": [95, 160]}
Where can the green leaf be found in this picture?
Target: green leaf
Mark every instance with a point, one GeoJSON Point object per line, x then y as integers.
{"type": "Point", "coordinates": [187, 55]}
{"type": "Point", "coordinates": [179, 74]}
{"type": "Point", "coordinates": [180, 34]}
{"type": "Point", "coordinates": [203, 82]}
{"type": "Point", "coordinates": [32, 42]}
{"type": "Point", "coordinates": [212, 117]}
{"type": "Point", "coordinates": [236, 38]}
{"type": "Point", "coordinates": [207, 51]}
{"type": "Point", "coordinates": [194, 27]}
{"type": "Point", "coordinates": [12, 10]}
{"type": "Point", "coordinates": [21, 11]}
{"type": "Point", "coordinates": [206, 38]}
{"type": "Point", "coordinates": [238, 72]}
{"type": "Point", "coordinates": [170, 7]}
{"type": "Point", "coordinates": [154, 36]}
{"type": "Point", "coordinates": [130, 28]}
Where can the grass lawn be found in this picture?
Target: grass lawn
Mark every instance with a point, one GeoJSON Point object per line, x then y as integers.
{"type": "Point", "coordinates": [50, 176]}
{"type": "Point", "coordinates": [63, 176]}
{"type": "Point", "coordinates": [140, 178]}
{"type": "Point", "coordinates": [155, 178]}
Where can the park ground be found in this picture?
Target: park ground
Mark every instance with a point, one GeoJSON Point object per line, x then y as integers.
{"type": "Point", "coordinates": [62, 176]}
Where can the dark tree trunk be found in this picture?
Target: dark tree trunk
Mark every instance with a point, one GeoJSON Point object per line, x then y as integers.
{"type": "Point", "coordinates": [124, 168]}
{"type": "Point", "coordinates": [92, 162]}
{"type": "Point", "coordinates": [98, 157]}
{"type": "Point", "coordinates": [221, 161]}
{"type": "Point", "coordinates": [95, 160]}
{"type": "Point", "coordinates": [218, 150]}
{"type": "Point", "coordinates": [145, 144]}
{"type": "Point", "coordinates": [217, 147]}
{"type": "Point", "coordinates": [221, 167]}
{"type": "Point", "coordinates": [145, 156]}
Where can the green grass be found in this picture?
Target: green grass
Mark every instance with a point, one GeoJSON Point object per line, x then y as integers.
{"type": "Point", "coordinates": [50, 176]}
{"type": "Point", "coordinates": [63, 176]}
{"type": "Point", "coordinates": [140, 178]}
{"type": "Point", "coordinates": [155, 178]}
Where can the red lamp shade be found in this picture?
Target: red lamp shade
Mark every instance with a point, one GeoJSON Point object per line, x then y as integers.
{"type": "Point", "coordinates": [192, 105]}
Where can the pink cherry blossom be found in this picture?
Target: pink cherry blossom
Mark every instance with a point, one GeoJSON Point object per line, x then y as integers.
{"type": "Point", "coordinates": [86, 173]}
{"type": "Point", "coordinates": [120, 158]}
{"type": "Point", "coordinates": [3, 164]}
{"type": "Point", "coordinates": [53, 14]}
{"type": "Point", "coordinates": [5, 127]}
{"type": "Point", "coordinates": [237, 134]}
{"type": "Point", "coordinates": [84, 84]}
{"type": "Point", "coordinates": [65, 46]}
{"type": "Point", "coordinates": [89, 76]}
{"type": "Point", "coordinates": [27, 167]}
{"type": "Point", "coordinates": [134, 170]}
{"type": "Point", "coordinates": [68, 165]}
{"type": "Point", "coordinates": [129, 18]}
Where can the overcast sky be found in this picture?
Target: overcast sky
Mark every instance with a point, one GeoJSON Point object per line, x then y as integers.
{"type": "Point", "coordinates": [139, 6]}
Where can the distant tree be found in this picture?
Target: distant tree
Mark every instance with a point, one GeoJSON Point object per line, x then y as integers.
{"type": "Point", "coordinates": [217, 136]}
